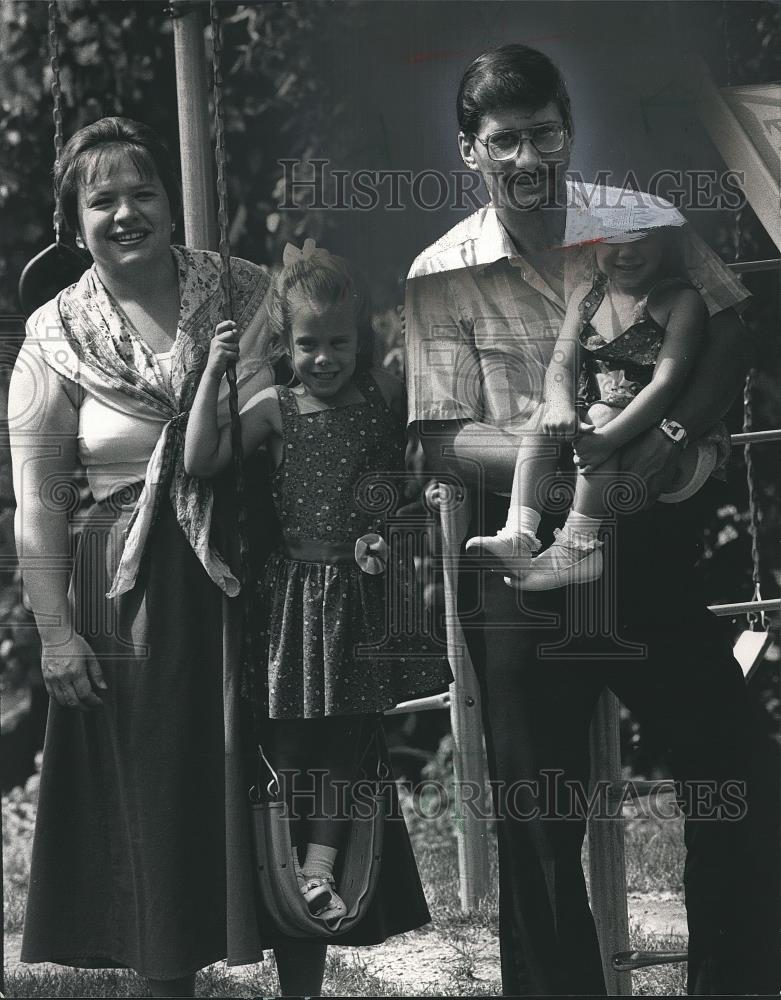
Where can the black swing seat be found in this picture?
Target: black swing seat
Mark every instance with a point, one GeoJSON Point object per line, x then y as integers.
{"type": "Point", "coordinates": [358, 866]}
{"type": "Point", "coordinates": [53, 269]}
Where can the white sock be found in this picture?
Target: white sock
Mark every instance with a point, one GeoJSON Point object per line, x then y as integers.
{"type": "Point", "coordinates": [319, 861]}
{"type": "Point", "coordinates": [520, 520]}
{"type": "Point", "coordinates": [583, 524]}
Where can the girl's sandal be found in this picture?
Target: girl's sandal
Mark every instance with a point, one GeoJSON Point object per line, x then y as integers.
{"type": "Point", "coordinates": [317, 894]}
{"type": "Point", "coordinates": [334, 910]}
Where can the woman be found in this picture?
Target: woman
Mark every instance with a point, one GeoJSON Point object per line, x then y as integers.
{"type": "Point", "coordinates": [128, 861]}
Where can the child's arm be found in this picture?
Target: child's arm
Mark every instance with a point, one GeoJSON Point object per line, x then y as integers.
{"type": "Point", "coordinates": [207, 447]}
{"type": "Point", "coordinates": [560, 417]}
{"type": "Point", "coordinates": [684, 333]}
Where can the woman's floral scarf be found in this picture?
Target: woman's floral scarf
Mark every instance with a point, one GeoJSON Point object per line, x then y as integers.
{"type": "Point", "coordinates": [84, 336]}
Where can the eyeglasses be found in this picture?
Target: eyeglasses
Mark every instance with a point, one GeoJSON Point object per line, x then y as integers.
{"type": "Point", "coordinates": [547, 137]}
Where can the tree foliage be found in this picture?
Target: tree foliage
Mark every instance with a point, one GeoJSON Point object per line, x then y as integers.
{"type": "Point", "coordinates": [117, 58]}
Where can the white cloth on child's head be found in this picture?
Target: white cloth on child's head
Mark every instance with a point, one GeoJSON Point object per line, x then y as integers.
{"type": "Point", "coordinates": [616, 215]}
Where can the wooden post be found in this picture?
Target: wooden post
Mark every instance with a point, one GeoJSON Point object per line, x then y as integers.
{"type": "Point", "coordinates": [465, 722]}
{"type": "Point", "coordinates": [606, 848]}
{"type": "Point", "coordinates": [195, 145]}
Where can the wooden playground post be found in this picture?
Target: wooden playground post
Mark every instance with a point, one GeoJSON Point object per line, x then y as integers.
{"type": "Point", "coordinates": [607, 869]}
{"type": "Point", "coordinates": [465, 723]}
{"type": "Point", "coordinates": [195, 144]}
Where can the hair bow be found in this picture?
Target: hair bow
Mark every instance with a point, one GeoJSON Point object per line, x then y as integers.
{"type": "Point", "coordinates": [310, 251]}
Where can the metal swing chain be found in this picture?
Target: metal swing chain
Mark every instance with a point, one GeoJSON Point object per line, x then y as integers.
{"type": "Point", "coordinates": [753, 499]}
{"type": "Point", "coordinates": [227, 313]}
{"type": "Point", "coordinates": [56, 90]}
{"type": "Point", "coordinates": [753, 617]}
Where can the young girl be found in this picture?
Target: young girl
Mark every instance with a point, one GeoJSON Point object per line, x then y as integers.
{"type": "Point", "coordinates": [628, 343]}
{"type": "Point", "coordinates": [334, 440]}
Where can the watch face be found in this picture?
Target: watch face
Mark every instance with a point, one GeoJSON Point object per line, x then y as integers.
{"type": "Point", "coordinates": [673, 430]}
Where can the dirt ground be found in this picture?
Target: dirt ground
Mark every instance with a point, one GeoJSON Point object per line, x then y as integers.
{"type": "Point", "coordinates": [430, 960]}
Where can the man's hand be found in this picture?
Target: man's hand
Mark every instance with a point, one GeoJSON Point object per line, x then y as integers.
{"type": "Point", "coordinates": [654, 458]}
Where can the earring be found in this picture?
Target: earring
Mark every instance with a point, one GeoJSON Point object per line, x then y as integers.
{"type": "Point", "coordinates": [173, 227]}
{"type": "Point", "coordinates": [80, 242]}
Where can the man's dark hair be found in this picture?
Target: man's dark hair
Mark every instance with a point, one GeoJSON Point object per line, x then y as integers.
{"type": "Point", "coordinates": [509, 77]}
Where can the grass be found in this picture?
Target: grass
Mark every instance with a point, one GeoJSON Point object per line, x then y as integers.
{"type": "Point", "coordinates": [661, 980]}
{"type": "Point", "coordinates": [654, 854]}
{"type": "Point", "coordinates": [465, 944]}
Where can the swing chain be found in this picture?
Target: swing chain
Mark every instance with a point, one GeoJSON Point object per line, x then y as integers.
{"type": "Point", "coordinates": [273, 785]}
{"type": "Point", "coordinates": [754, 618]}
{"type": "Point", "coordinates": [753, 499]}
{"type": "Point", "coordinates": [227, 312]}
{"type": "Point", "coordinates": [56, 90]}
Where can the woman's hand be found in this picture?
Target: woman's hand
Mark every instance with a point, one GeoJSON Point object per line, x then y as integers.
{"type": "Point", "coordinates": [560, 420]}
{"type": "Point", "coordinates": [72, 674]}
{"type": "Point", "coordinates": [223, 350]}
{"type": "Point", "coordinates": [592, 448]}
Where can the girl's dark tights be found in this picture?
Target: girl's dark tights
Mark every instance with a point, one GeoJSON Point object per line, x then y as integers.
{"type": "Point", "coordinates": [315, 759]}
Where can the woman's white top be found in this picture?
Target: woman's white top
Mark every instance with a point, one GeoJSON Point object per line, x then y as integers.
{"type": "Point", "coordinates": [115, 446]}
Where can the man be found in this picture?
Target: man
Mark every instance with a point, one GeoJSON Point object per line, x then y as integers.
{"type": "Point", "coordinates": [484, 307]}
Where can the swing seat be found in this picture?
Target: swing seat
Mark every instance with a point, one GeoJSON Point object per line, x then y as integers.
{"type": "Point", "coordinates": [750, 649]}
{"type": "Point", "coordinates": [53, 269]}
{"type": "Point", "coordinates": [356, 877]}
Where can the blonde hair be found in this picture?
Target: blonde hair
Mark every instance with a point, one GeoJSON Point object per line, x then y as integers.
{"type": "Point", "coordinates": [325, 280]}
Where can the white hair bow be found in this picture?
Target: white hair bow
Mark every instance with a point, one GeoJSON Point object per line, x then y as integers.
{"type": "Point", "coordinates": [310, 251]}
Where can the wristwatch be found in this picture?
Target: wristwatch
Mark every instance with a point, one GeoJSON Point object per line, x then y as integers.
{"type": "Point", "coordinates": [674, 431]}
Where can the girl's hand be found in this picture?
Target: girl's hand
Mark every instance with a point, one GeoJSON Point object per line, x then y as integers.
{"type": "Point", "coordinates": [223, 350]}
{"type": "Point", "coordinates": [72, 674]}
{"type": "Point", "coordinates": [560, 420]}
{"type": "Point", "coordinates": [592, 449]}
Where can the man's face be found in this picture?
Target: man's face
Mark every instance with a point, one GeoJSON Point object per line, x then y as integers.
{"type": "Point", "coordinates": [530, 179]}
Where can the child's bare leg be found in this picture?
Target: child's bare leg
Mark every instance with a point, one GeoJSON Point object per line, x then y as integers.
{"type": "Point", "coordinates": [591, 487]}
{"type": "Point", "coordinates": [512, 547]}
{"type": "Point", "coordinates": [575, 556]}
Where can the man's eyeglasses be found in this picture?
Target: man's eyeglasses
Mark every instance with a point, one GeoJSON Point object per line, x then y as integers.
{"type": "Point", "coordinates": [546, 138]}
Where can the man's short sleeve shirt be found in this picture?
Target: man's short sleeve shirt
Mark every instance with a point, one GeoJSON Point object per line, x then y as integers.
{"type": "Point", "coordinates": [481, 323]}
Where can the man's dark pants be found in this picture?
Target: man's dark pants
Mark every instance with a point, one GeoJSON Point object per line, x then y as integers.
{"type": "Point", "coordinates": [688, 694]}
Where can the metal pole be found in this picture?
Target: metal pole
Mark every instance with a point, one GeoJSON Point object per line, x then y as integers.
{"type": "Point", "coordinates": [195, 145]}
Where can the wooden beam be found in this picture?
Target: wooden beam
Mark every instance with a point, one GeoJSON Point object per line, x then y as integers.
{"type": "Point", "coordinates": [606, 862]}
{"type": "Point", "coordinates": [195, 143]}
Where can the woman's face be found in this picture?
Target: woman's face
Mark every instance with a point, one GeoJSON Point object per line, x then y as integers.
{"type": "Point", "coordinates": [124, 216]}
{"type": "Point", "coordinates": [632, 266]}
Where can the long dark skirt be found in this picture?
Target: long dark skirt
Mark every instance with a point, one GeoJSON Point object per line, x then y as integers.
{"type": "Point", "coordinates": [129, 855]}
{"type": "Point", "coordinates": [128, 863]}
